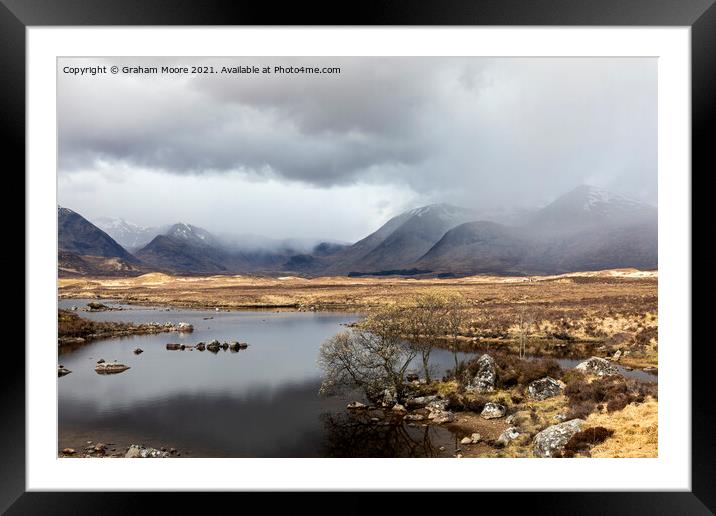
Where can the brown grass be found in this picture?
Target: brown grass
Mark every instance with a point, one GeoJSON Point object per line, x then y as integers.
{"type": "Point", "coordinates": [635, 431]}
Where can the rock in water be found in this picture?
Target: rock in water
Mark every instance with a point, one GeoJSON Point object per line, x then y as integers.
{"type": "Point", "coordinates": [597, 366]}
{"type": "Point", "coordinates": [486, 376]}
{"type": "Point", "coordinates": [493, 410]}
{"type": "Point", "coordinates": [62, 371]}
{"type": "Point", "coordinates": [173, 346]}
{"type": "Point", "coordinates": [552, 439]}
{"type": "Point", "coordinates": [544, 388]}
{"type": "Point", "coordinates": [138, 351]}
{"type": "Point", "coordinates": [110, 368]}
{"type": "Point", "coordinates": [509, 435]}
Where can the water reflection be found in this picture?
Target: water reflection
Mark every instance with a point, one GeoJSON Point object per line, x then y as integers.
{"type": "Point", "coordinates": [348, 435]}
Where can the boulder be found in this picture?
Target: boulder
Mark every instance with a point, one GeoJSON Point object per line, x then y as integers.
{"type": "Point", "coordinates": [442, 416]}
{"type": "Point", "coordinates": [138, 351]}
{"type": "Point", "coordinates": [110, 368]}
{"type": "Point", "coordinates": [234, 346]}
{"type": "Point", "coordinates": [486, 376]}
{"type": "Point", "coordinates": [509, 435]}
{"type": "Point", "coordinates": [184, 326]}
{"type": "Point", "coordinates": [466, 440]}
{"type": "Point", "coordinates": [201, 346]}
{"type": "Point", "coordinates": [243, 345]}
{"type": "Point", "coordinates": [438, 413]}
{"type": "Point", "coordinates": [420, 401]}
{"type": "Point", "coordinates": [399, 408]}
{"type": "Point", "coordinates": [552, 439]}
{"type": "Point", "coordinates": [389, 398]}
{"type": "Point", "coordinates": [100, 361]}
{"type": "Point", "coordinates": [544, 388]}
{"type": "Point", "coordinates": [62, 371]}
{"type": "Point", "coordinates": [140, 452]}
{"type": "Point", "coordinates": [437, 405]}
{"type": "Point", "coordinates": [597, 366]}
{"type": "Point", "coordinates": [475, 438]}
{"type": "Point", "coordinates": [68, 451]}
{"type": "Point", "coordinates": [414, 417]}
{"type": "Point", "coordinates": [617, 355]}
{"type": "Point", "coordinates": [173, 346]}
{"type": "Point", "coordinates": [493, 410]}
{"type": "Point", "coordinates": [353, 405]}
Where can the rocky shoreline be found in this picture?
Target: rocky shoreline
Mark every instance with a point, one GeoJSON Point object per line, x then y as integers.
{"type": "Point", "coordinates": [493, 421]}
{"type": "Point", "coordinates": [99, 450]}
{"type": "Point", "coordinates": [76, 330]}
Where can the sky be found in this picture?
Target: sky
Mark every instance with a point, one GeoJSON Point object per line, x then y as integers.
{"type": "Point", "coordinates": [333, 156]}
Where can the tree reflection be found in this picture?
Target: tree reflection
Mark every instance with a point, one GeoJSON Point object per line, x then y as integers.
{"type": "Point", "coordinates": [350, 435]}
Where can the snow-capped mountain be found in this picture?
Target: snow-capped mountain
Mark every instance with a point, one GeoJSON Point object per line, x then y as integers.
{"type": "Point", "coordinates": [589, 206]}
{"type": "Point", "coordinates": [401, 240]}
{"type": "Point", "coordinates": [192, 234]}
{"type": "Point", "coordinates": [130, 235]}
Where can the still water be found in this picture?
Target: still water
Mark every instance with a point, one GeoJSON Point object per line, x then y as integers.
{"type": "Point", "coordinates": [258, 402]}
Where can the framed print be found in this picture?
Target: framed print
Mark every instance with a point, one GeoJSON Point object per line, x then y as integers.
{"type": "Point", "coordinates": [436, 248]}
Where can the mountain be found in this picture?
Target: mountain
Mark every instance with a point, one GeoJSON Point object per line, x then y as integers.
{"type": "Point", "coordinates": [633, 244]}
{"type": "Point", "coordinates": [187, 249]}
{"type": "Point", "coordinates": [78, 235]}
{"type": "Point", "coordinates": [72, 264]}
{"type": "Point", "coordinates": [589, 207]}
{"type": "Point", "coordinates": [401, 240]}
{"type": "Point", "coordinates": [327, 248]}
{"type": "Point", "coordinates": [477, 247]}
{"type": "Point", "coordinates": [129, 235]}
{"type": "Point", "coordinates": [585, 229]}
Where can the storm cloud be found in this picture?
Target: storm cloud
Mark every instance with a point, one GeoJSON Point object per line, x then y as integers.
{"type": "Point", "coordinates": [479, 132]}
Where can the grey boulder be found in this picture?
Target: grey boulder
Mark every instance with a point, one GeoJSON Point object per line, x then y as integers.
{"type": "Point", "coordinates": [485, 377]}
{"type": "Point", "coordinates": [553, 438]}
{"type": "Point", "coordinates": [597, 366]}
{"type": "Point", "coordinates": [544, 388]}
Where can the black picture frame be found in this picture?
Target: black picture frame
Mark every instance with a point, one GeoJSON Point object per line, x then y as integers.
{"type": "Point", "coordinates": [700, 15]}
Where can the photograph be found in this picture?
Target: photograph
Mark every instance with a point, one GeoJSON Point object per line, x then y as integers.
{"type": "Point", "coordinates": [358, 257]}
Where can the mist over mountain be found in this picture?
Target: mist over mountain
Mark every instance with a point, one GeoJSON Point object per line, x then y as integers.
{"type": "Point", "coordinates": [585, 229]}
{"type": "Point", "coordinates": [129, 235]}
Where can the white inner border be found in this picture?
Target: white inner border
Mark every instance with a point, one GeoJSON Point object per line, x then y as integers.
{"type": "Point", "coordinates": [670, 471]}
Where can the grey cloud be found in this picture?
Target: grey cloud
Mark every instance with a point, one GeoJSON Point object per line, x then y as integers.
{"type": "Point", "coordinates": [488, 131]}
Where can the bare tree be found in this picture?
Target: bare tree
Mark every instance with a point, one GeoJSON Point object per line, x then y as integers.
{"type": "Point", "coordinates": [371, 359]}
{"type": "Point", "coordinates": [524, 321]}
{"type": "Point", "coordinates": [424, 323]}
{"type": "Point", "coordinates": [456, 318]}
